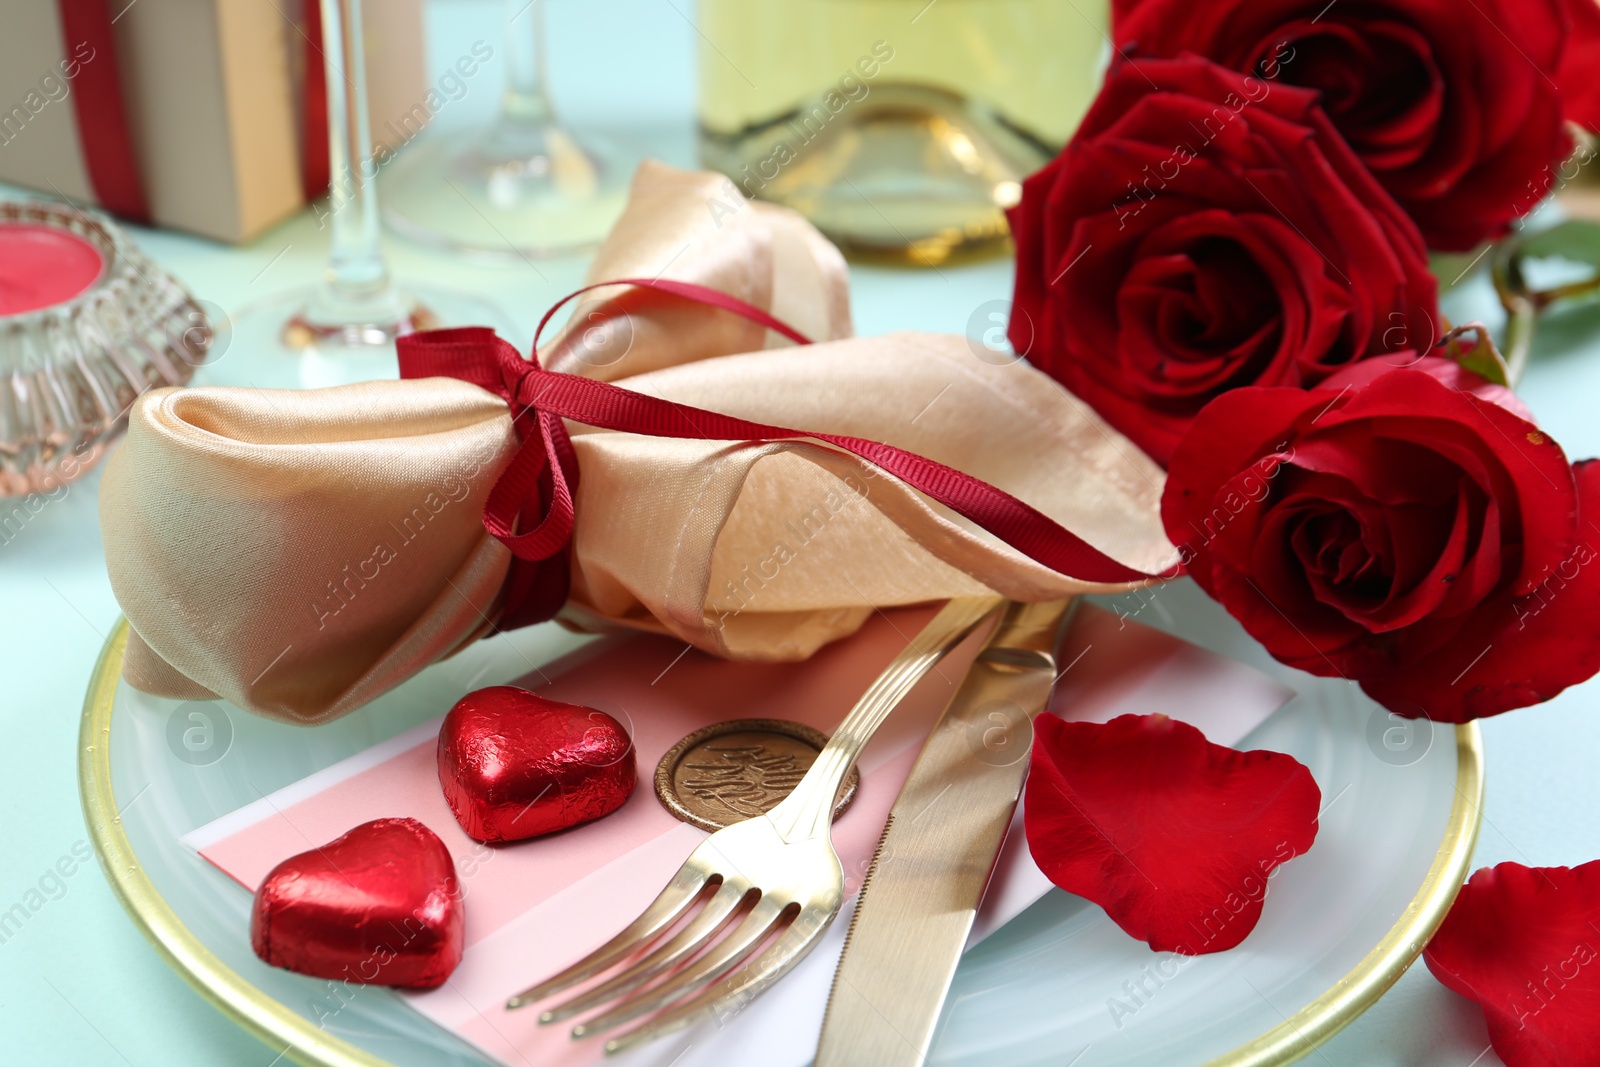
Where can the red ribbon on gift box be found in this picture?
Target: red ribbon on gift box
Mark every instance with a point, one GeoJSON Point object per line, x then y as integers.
{"type": "Point", "coordinates": [314, 164]}
{"type": "Point", "coordinates": [102, 115]}
{"type": "Point", "coordinates": [102, 118]}
{"type": "Point", "coordinates": [530, 507]}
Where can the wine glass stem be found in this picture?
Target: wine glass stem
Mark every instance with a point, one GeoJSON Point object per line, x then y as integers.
{"type": "Point", "coordinates": [357, 288]}
{"type": "Point", "coordinates": [526, 100]}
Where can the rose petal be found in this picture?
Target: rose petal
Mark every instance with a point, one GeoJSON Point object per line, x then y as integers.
{"type": "Point", "coordinates": [1236, 430]}
{"type": "Point", "coordinates": [1580, 89]}
{"type": "Point", "coordinates": [1121, 9]}
{"type": "Point", "coordinates": [1173, 836]}
{"type": "Point", "coordinates": [1516, 651]}
{"type": "Point", "coordinates": [1522, 942]}
{"type": "Point", "coordinates": [1446, 371]}
{"type": "Point", "coordinates": [1496, 447]}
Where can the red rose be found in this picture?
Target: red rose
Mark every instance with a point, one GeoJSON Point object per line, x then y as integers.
{"type": "Point", "coordinates": [1454, 106]}
{"type": "Point", "coordinates": [1419, 538]}
{"type": "Point", "coordinates": [1206, 230]}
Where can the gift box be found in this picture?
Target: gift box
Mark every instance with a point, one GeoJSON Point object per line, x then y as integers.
{"type": "Point", "coordinates": [196, 115]}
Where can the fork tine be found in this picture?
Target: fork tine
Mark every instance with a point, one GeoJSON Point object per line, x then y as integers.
{"type": "Point", "coordinates": [779, 958]}
{"type": "Point", "coordinates": [719, 910]}
{"type": "Point", "coordinates": [684, 889]}
{"type": "Point", "coordinates": [718, 960]}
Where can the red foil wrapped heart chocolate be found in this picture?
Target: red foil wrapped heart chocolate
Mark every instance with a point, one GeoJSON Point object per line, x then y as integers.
{"type": "Point", "coordinates": [514, 764]}
{"type": "Point", "coordinates": [379, 906]}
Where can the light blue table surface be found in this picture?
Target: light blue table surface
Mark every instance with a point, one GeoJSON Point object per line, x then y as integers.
{"type": "Point", "coordinates": [79, 985]}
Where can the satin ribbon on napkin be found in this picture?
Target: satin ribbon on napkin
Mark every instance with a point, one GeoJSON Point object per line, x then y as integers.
{"type": "Point", "coordinates": [299, 553]}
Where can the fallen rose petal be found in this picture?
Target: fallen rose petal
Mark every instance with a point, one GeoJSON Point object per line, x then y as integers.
{"type": "Point", "coordinates": [1523, 943]}
{"type": "Point", "coordinates": [1173, 836]}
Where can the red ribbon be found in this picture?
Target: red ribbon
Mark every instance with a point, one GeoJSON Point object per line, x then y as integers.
{"type": "Point", "coordinates": [97, 103]}
{"type": "Point", "coordinates": [530, 507]}
{"type": "Point", "coordinates": [314, 148]}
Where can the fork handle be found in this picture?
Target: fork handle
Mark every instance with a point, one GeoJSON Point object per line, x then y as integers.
{"type": "Point", "coordinates": [807, 812]}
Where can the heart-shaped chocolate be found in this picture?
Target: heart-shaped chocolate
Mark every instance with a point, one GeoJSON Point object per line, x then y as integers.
{"type": "Point", "coordinates": [378, 906]}
{"type": "Point", "coordinates": [514, 764]}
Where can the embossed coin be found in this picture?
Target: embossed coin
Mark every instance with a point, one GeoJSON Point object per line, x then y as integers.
{"type": "Point", "coordinates": [732, 771]}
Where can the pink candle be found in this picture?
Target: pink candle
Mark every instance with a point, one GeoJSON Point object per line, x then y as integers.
{"type": "Point", "coordinates": [41, 266]}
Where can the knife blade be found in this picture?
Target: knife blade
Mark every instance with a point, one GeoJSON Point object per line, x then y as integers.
{"type": "Point", "coordinates": [938, 850]}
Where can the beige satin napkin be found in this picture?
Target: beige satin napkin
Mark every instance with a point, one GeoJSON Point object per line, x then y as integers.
{"type": "Point", "coordinates": [300, 553]}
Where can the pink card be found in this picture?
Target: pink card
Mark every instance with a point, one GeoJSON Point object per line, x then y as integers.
{"type": "Point", "coordinates": [535, 906]}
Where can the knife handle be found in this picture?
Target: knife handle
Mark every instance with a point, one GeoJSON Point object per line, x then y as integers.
{"type": "Point", "coordinates": [1026, 636]}
{"type": "Point", "coordinates": [929, 874]}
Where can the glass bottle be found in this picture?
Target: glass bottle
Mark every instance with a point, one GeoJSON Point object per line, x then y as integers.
{"type": "Point", "coordinates": [902, 128]}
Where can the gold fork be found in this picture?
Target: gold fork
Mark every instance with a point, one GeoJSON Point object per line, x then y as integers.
{"type": "Point", "coordinates": [772, 883]}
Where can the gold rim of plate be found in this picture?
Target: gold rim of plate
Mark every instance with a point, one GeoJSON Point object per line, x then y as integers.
{"type": "Point", "coordinates": [299, 1039]}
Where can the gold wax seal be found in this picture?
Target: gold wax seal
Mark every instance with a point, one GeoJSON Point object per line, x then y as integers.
{"type": "Point", "coordinates": [732, 771]}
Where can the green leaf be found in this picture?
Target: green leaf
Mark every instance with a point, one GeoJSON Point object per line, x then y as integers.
{"type": "Point", "coordinates": [1577, 240]}
{"type": "Point", "coordinates": [1480, 356]}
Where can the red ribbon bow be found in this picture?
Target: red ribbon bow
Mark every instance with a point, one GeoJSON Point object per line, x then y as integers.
{"type": "Point", "coordinates": [530, 506]}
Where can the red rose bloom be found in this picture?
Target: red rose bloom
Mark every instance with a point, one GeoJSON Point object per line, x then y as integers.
{"type": "Point", "coordinates": [1454, 107]}
{"type": "Point", "coordinates": [1397, 529]}
{"type": "Point", "coordinates": [1206, 230]}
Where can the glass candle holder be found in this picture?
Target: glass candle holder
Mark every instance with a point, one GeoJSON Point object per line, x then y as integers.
{"type": "Point", "coordinates": [87, 324]}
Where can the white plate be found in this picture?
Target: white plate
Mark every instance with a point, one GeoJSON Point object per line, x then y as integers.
{"type": "Point", "coordinates": [1060, 985]}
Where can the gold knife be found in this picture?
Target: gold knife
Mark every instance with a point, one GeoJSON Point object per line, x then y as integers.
{"type": "Point", "coordinates": [938, 850]}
